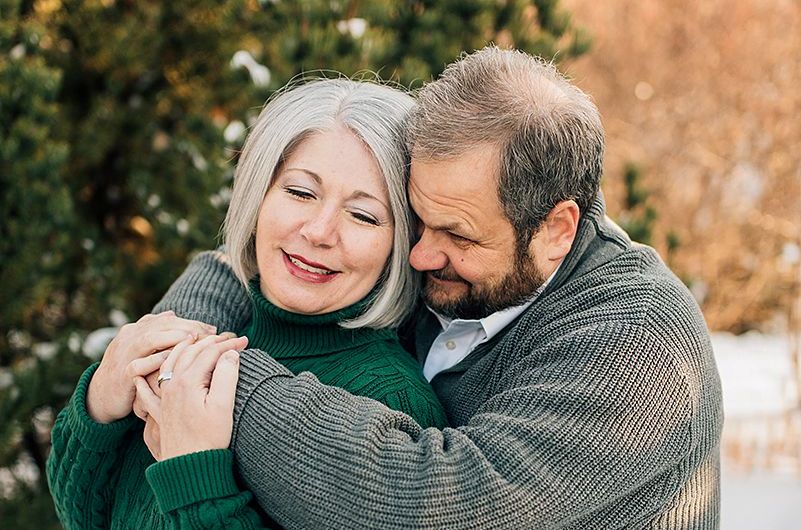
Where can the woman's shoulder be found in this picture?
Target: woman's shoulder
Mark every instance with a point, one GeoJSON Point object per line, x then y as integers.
{"type": "Point", "coordinates": [391, 375]}
{"type": "Point", "coordinates": [385, 357]}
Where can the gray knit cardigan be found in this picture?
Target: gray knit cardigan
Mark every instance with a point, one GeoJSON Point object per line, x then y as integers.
{"type": "Point", "coordinates": [599, 407]}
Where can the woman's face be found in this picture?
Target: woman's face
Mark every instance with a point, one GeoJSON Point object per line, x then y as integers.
{"type": "Point", "coordinates": [325, 228]}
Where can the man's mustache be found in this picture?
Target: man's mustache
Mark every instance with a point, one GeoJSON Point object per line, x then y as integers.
{"type": "Point", "coordinates": [447, 274]}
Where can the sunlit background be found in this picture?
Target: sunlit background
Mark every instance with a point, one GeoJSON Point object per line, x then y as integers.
{"type": "Point", "coordinates": [120, 122]}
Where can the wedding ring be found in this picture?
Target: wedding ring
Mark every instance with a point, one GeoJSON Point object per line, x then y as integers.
{"type": "Point", "coordinates": [163, 377]}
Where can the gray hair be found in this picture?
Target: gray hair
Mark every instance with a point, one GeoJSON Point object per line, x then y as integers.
{"type": "Point", "coordinates": [375, 113]}
{"type": "Point", "coordinates": [548, 131]}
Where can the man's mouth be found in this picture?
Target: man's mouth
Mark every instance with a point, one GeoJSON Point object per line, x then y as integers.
{"type": "Point", "coordinates": [446, 276]}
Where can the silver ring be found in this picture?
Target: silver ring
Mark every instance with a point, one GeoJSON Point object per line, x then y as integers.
{"type": "Point", "coordinates": [163, 377]}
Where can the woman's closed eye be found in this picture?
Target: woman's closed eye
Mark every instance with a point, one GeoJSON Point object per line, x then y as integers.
{"type": "Point", "coordinates": [364, 217]}
{"type": "Point", "coordinates": [299, 193]}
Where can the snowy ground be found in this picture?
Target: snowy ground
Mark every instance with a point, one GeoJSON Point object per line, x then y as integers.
{"type": "Point", "coordinates": [756, 371]}
{"type": "Point", "coordinates": [761, 449]}
{"type": "Point", "coordinates": [760, 501]}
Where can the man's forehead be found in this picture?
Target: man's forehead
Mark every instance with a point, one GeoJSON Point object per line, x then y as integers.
{"type": "Point", "coordinates": [475, 167]}
{"type": "Point", "coordinates": [450, 195]}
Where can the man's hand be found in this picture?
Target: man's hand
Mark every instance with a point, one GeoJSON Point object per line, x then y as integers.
{"type": "Point", "coordinates": [137, 348]}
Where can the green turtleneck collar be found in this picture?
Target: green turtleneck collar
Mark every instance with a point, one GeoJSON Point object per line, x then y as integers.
{"type": "Point", "coordinates": [284, 334]}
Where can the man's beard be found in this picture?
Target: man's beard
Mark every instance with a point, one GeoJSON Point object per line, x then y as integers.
{"type": "Point", "coordinates": [513, 289]}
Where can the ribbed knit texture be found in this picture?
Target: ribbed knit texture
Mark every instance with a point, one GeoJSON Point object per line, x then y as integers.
{"type": "Point", "coordinates": [365, 362]}
{"type": "Point", "coordinates": [600, 407]}
{"type": "Point", "coordinates": [103, 476]}
{"type": "Point", "coordinates": [182, 481]}
{"type": "Point", "coordinates": [97, 476]}
{"type": "Point", "coordinates": [196, 294]}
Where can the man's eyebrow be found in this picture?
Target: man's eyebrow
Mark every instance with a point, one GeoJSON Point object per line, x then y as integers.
{"type": "Point", "coordinates": [451, 227]}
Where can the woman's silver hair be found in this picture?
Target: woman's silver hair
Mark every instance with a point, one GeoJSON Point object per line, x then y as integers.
{"type": "Point", "coordinates": [375, 113]}
{"type": "Point", "coordinates": [548, 132]}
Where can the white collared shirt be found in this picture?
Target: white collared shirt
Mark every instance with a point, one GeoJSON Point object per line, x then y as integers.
{"type": "Point", "coordinates": [459, 336]}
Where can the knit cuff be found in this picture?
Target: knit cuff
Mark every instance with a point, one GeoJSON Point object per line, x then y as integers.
{"type": "Point", "coordinates": [97, 437]}
{"type": "Point", "coordinates": [192, 478]}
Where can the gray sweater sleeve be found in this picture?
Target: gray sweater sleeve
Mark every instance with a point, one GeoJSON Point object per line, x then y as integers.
{"type": "Point", "coordinates": [553, 444]}
{"type": "Point", "coordinates": [209, 292]}
{"type": "Point", "coordinates": [564, 428]}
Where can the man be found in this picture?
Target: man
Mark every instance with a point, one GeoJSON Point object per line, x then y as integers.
{"type": "Point", "coordinates": [575, 368]}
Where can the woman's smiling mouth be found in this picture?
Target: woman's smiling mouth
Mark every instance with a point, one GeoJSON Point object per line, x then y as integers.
{"type": "Point", "coordinates": [306, 270]}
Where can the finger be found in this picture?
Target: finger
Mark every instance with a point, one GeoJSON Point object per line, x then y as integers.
{"type": "Point", "coordinates": [223, 382]}
{"type": "Point", "coordinates": [153, 341]}
{"type": "Point", "coordinates": [160, 333]}
{"type": "Point", "coordinates": [152, 438]}
{"type": "Point", "coordinates": [204, 360]}
{"type": "Point", "coordinates": [169, 363]}
{"type": "Point", "coordinates": [139, 409]}
{"type": "Point", "coordinates": [153, 382]}
{"type": "Point", "coordinates": [164, 321]}
{"type": "Point", "coordinates": [148, 401]}
{"type": "Point", "coordinates": [207, 359]}
{"type": "Point", "coordinates": [151, 316]}
{"type": "Point", "coordinates": [145, 365]}
{"type": "Point", "coordinates": [189, 355]}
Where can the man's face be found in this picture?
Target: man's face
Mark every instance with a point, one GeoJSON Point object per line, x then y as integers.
{"type": "Point", "coordinates": [467, 247]}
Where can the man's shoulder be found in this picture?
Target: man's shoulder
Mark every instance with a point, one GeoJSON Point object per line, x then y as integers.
{"type": "Point", "coordinates": [635, 291]}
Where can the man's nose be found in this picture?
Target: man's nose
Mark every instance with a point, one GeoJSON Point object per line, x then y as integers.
{"type": "Point", "coordinates": [427, 254]}
{"type": "Point", "coordinates": [322, 229]}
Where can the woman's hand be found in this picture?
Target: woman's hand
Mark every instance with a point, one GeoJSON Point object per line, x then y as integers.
{"type": "Point", "coordinates": [151, 434]}
{"type": "Point", "coordinates": [195, 412]}
{"type": "Point", "coordinates": [137, 348]}
{"type": "Point", "coordinates": [152, 437]}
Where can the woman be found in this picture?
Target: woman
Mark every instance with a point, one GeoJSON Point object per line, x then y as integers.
{"type": "Point", "coordinates": [319, 228]}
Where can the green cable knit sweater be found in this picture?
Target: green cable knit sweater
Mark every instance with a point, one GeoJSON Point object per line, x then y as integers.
{"type": "Point", "coordinates": [102, 475]}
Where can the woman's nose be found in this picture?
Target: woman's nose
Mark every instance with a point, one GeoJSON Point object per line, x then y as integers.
{"type": "Point", "coordinates": [322, 229]}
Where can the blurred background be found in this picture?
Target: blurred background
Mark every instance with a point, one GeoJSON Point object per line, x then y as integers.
{"type": "Point", "coordinates": [120, 123]}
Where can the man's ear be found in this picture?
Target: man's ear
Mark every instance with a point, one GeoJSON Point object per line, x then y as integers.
{"type": "Point", "coordinates": [555, 237]}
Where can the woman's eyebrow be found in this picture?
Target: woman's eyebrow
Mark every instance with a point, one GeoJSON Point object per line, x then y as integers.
{"type": "Point", "coordinates": [361, 194]}
{"type": "Point", "coordinates": [312, 174]}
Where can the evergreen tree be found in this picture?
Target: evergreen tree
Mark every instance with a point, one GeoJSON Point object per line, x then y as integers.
{"type": "Point", "coordinates": [120, 126]}
{"type": "Point", "coordinates": [639, 215]}
{"type": "Point", "coordinates": [38, 215]}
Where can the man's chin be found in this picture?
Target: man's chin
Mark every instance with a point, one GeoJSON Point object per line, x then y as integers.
{"type": "Point", "coordinates": [455, 306]}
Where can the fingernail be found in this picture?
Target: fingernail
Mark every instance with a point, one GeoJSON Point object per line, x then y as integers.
{"type": "Point", "coordinates": [232, 356]}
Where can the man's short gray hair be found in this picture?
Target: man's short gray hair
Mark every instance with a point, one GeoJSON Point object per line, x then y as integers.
{"type": "Point", "coordinates": [548, 131]}
{"type": "Point", "coordinates": [376, 114]}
